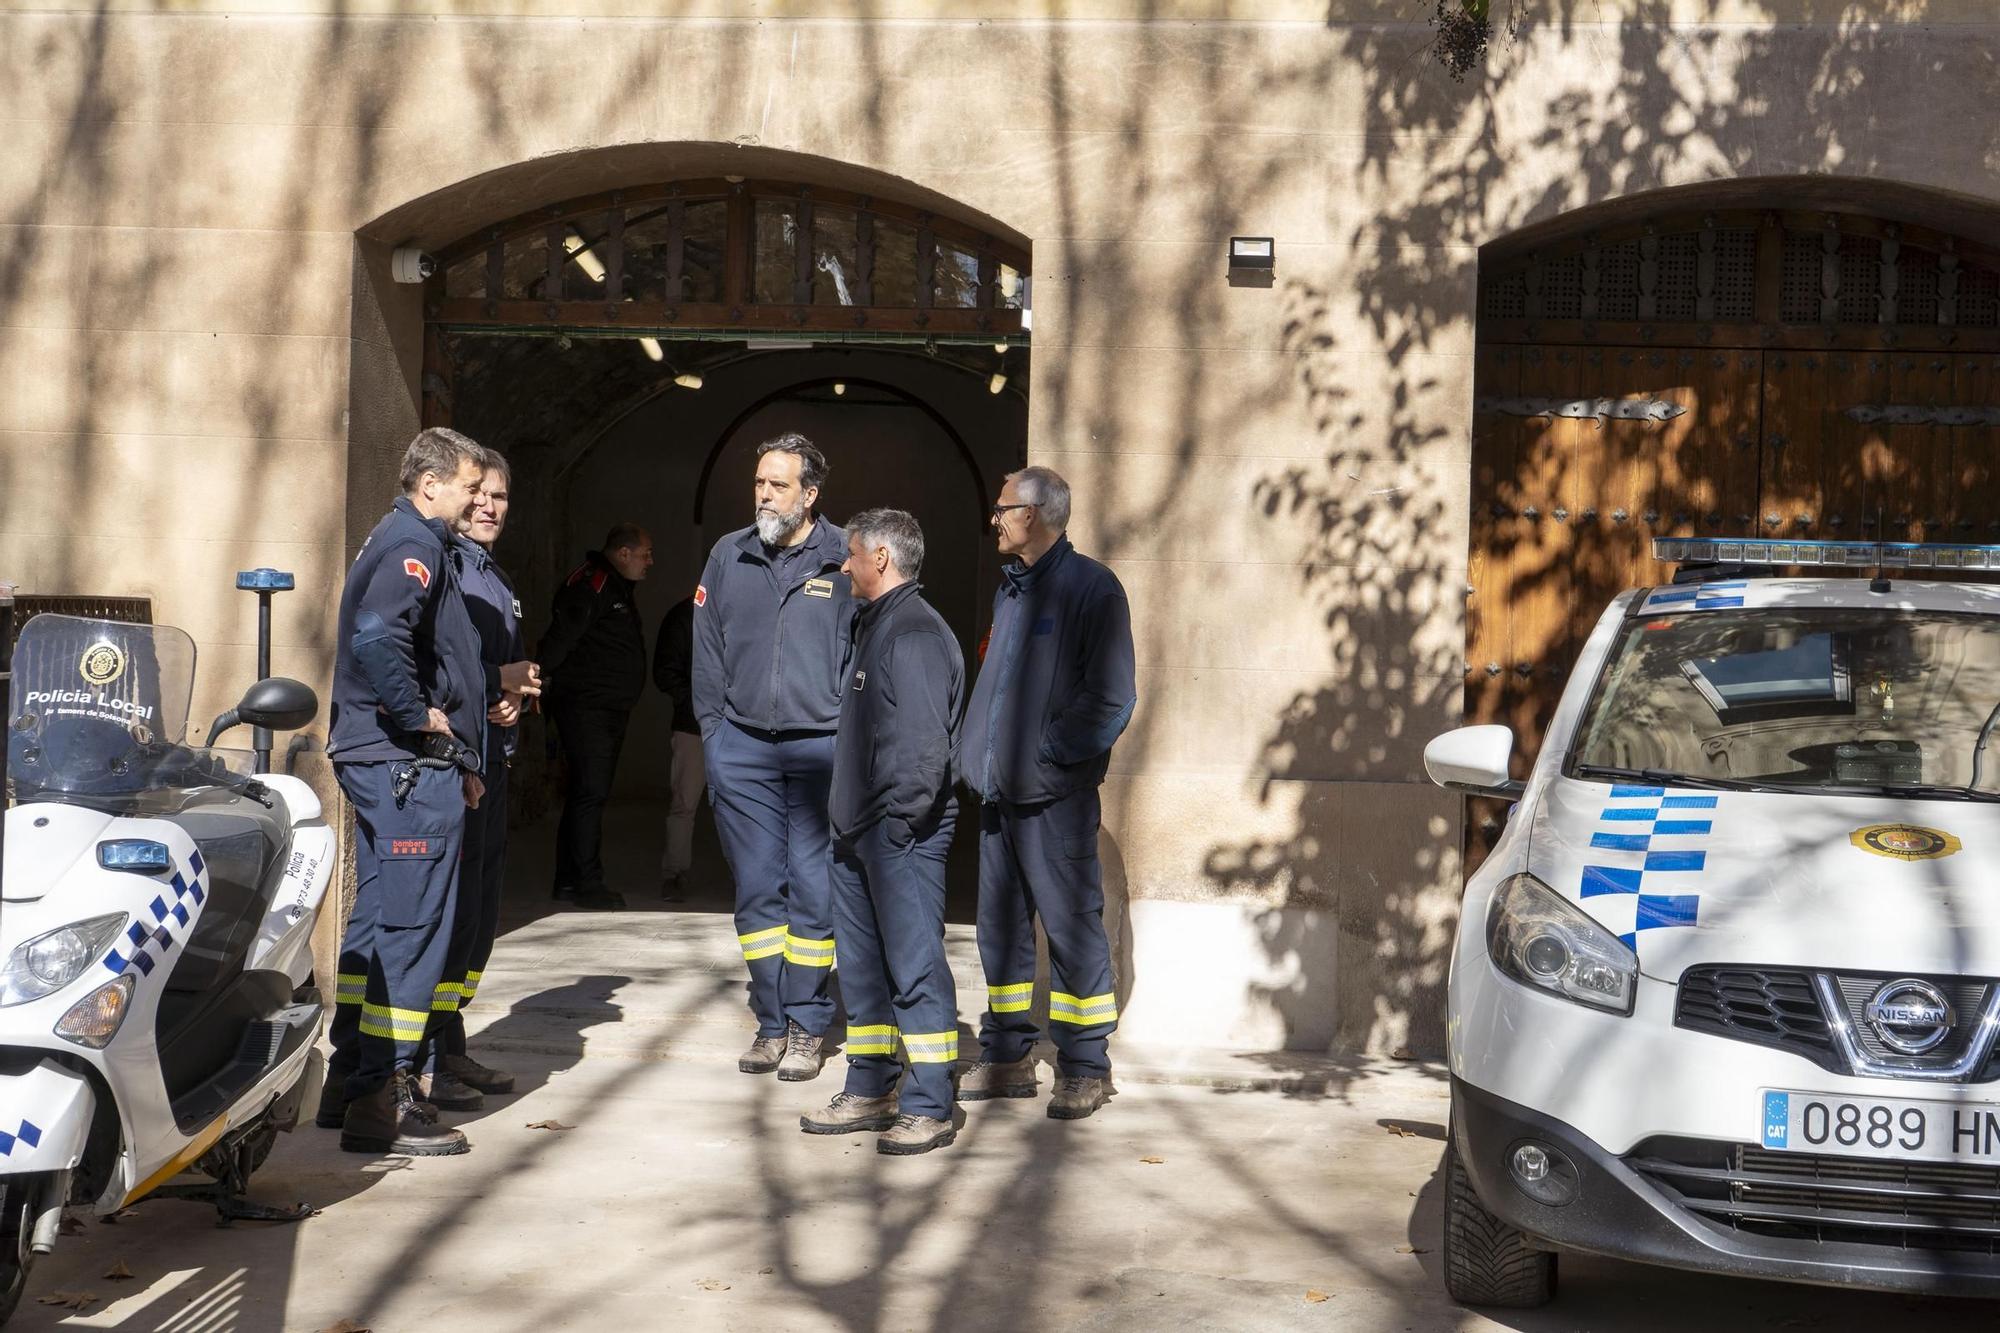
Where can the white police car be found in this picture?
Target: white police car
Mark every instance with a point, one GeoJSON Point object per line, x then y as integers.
{"type": "Point", "coordinates": [1726, 994]}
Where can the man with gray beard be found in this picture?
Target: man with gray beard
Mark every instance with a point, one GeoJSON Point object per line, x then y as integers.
{"type": "Point", "coordinates": [773, 615]}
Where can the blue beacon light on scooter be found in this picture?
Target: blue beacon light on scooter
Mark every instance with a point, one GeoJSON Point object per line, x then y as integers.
{"type": "Point", "coordinates": [140, 856]}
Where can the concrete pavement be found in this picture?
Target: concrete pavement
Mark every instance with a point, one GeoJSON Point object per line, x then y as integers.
{"type": "Point", "coordinates": [685, 1198]}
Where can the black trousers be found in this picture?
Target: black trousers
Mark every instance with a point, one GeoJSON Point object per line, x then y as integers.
{"type": "Point", "coordinates": [591, 739]}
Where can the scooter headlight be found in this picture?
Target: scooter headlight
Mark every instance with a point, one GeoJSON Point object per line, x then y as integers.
{"type": "Point", "coordinates": [45, 964]}
{"type": "Point", "coordinates": [1538, 937]}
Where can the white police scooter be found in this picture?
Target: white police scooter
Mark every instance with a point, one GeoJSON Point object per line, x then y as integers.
{"type": "Point", "coordinates": [156, 917]}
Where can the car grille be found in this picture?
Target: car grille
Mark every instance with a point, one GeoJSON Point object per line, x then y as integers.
{"type": "Point", "coordinates": [1933, 1206]}
{"type": "Point", "coordinates": [1770, 1008]}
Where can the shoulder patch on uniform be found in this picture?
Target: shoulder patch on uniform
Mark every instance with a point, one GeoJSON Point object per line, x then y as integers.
{"type": "Point", "coordinates": [597, 577]}
{"type": "Point", "coordinates": [700, 595]}
{"type": "Point", "coordinates": [417, 570]}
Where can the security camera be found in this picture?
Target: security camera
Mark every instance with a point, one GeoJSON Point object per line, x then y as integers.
{"type": "Point", "coordinates": [410, 264]}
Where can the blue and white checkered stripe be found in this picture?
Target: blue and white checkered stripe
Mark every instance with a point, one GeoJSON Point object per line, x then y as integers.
{"type": "Point", "coordinates": [29, 1133]}
{"type": "Point", "coordinates": [149, 944]}
{"type": "Point", "coordinates": [1646, 845]}
{"type": "Point", "coordinates": [1697, 597]}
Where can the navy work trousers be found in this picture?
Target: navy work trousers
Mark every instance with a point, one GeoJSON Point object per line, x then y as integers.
{"type": "Point", "coordinates": [888, 921]}
{"type": "Point", "coordinates": [591, 739]}
{"type": "Point", "coordinates": [1041, 861]}
{"type": "Point", "coordinates": [481, 872]}
{"type": "Point", "coordinates": [393, 957]}
{"type": "Point", "coordinates": [769, 790]}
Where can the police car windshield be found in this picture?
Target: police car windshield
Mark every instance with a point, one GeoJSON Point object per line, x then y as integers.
{"type": "Point", "coordinates": [99, 708]}
{"type": "Point", "coordinates": [1855, 700]}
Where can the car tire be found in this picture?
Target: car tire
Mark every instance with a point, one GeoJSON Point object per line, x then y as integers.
{"type": "Point", "coordinates": [1486, 1261]}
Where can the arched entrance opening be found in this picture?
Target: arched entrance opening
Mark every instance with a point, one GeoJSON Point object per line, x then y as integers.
{"type": "Point", "coordinates": [629, 349]}
{"type": "Point", "coordinates": [1776, 362]}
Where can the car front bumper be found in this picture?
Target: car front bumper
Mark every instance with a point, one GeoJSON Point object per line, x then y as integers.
{"type": "Point", "coordinates": [1626, 1210]}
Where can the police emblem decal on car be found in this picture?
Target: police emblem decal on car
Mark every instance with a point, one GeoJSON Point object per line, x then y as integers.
{"type": "Point", "coordinates": [1905, 842]}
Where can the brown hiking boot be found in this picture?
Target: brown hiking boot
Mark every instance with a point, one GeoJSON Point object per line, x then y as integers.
{"type": "Point", "coordinates": [802, 1058]}
{"type": "Point", "coordinates": [387, 1121]}
{"type": "Point", "coordinates": [333, 1105]}
{"type": "Point", "coordinates": [986, 1080]}
{"type": "Point", "coordinates": [763, 1055]}
{"type": "Point", "coordinates": [1077, 1095]}
{"type": "Point", "coordinates": [475, 1075]}
{"type": "Point", "coordinates": [912, 1134]}
{"type": "Point", "coordinates": [851, 1113]}
{"type": "Point", "coordinates": [448, 1093]}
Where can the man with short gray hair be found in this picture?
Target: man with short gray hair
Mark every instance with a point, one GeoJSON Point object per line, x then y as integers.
{"type": "Point", "coordinates": [891, 810]}
{"type": "Point", "coordinates": [1055, 691]}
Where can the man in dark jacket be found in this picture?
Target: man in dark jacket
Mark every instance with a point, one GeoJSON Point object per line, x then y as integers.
{"type": "Point", "coordinates": [1055, 691]}
{"type": "Point", "coordinates": [892, 812]}
{"type": "Point", "coordinates": [452, 1079]}
{"type": "Point", "coordinates": [408, 684]}
{"type": "Point", "coordinates": [771, 626]}
{"type": "Point", "coordinates": [593, 660]}
{"type": "Point", "coordinates": [673, 672]}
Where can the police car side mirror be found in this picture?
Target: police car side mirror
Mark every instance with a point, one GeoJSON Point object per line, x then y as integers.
{"type": "Point", "coordinates": [1473, 759]}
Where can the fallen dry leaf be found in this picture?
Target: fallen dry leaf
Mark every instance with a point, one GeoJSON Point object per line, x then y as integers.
{"type": "Point", "coordinates": [711, 1284]}
{"type": "Point", "coordinates": [1316, 1296]}
{"type": "Point", "coordinates": [1402, 1133]}
{"type": "Point", "coordinates": [1410, 1249]}
{"type": "Point", "coordinates": [1152, 1161]}
{"type": "Point", "coordinates": [119, 1216]}
{"type": "Point", "coordinates": [69, 1300]}
{"type": "Point", "coordinates": [766, 1269]}
{"type": "Point", "coordinates": [1402, 1053]}
{"type": "Point", "coordinates": [346, 1326]}
{"type": "Point", "coordinates": [119, 1273]}
{"type": "Point", "coordinates": [71, 1226]}
{"type": "Point", "coordinates": [549, 1124]}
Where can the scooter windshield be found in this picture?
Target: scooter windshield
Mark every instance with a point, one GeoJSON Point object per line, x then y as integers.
{"type": "Point", "coordinates": [100, 708]}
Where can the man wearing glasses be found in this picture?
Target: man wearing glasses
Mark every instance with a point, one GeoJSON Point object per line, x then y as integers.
{"type": "Point", "coordinates": [1054, 693]}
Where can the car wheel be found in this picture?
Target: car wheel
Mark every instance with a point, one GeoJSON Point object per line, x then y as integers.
{"type": "Point", "coordinates": [1487, 1262]}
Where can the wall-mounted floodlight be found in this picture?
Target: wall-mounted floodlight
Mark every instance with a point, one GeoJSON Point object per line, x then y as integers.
{"type": "Point", "coordinates": [1252, 260]}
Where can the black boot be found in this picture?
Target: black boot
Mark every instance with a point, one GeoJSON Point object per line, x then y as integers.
{"type": "Point", "coordinates": [388, 1120]}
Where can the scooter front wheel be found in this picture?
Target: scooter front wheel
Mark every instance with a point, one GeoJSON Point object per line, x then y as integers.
{"type": "Point", "coordinates": [17, 1227]}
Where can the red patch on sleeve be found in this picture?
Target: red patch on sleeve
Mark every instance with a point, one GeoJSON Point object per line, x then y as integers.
{"type": "Point", "coordinates": [700, 595]}
{"type": "Point", "coordinates": [417, 570]}
{"type": "Point", "coordinates": [984, 640]}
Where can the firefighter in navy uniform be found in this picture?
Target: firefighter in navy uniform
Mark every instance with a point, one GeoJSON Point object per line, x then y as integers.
{"type": "Point", "coordinates": [771, 622]}
{"type": "Point", "coordinates": [408, 685]}
{"type": "Point", "coordinates": [594, 670]}
{"type": "Point", "coordinates": [451, 1078]}
{"type": "Point", "coordinates": [892, 815]}
{"type": "Point", "coordinates": [1054, 693]}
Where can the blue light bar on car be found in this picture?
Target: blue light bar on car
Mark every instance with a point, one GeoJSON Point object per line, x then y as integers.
{"type": "Point", "coordinates": [1853, 555]}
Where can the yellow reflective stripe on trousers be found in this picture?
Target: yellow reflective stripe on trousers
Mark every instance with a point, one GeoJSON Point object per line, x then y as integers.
{"type": "Point", "coordinates": [762, 943]}
{"type": "Point", "coordinates": [808, 953]}
{"type": "Point", "coordinates": [470, 986]}
{"type": "Point", "coordinates": [1014, 998]}
{"type": "Point", "coordinates": [349, 988]}
{"type": "Point", "coordinates": [379, 1020]}
{"type": "Point", "coordinates": [444, 1000]}
{"type": "Point", "coordinates": [931, 1048]}
{"type": "Point", "coordinates": [871, 1039]}
{"type": "Point", "coordinates": [1086, 1012]}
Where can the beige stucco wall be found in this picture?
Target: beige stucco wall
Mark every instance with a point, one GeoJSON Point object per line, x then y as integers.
{"type": "Point", "coordinates": [200, 363]}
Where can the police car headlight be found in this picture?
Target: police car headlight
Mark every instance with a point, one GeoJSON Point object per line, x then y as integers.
{"type": "Point", "coordinates": [1540, 938]}
{"type": "Point", "coordinates": [45, 964]}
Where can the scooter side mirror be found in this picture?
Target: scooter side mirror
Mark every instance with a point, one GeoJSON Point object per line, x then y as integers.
{"type": "Point", "coordinates": [279, 703]}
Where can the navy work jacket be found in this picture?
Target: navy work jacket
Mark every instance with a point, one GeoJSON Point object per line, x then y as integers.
{"type": "Point", "coordinates": [594, 653]}
{"type": "Point", "coordinates": [1057, 686]}
{"type": "Point", "coordinates": [405, 644]}
{"type": "Point", "coordinates": [496, 615]}
{"type": "Point", "coordinates": [771, 633]}
{"type": "Point", "coordinates": [899, 719]}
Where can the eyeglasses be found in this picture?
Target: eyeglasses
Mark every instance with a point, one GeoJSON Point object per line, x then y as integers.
{"type": "Point", "coordinates": [999, 510]}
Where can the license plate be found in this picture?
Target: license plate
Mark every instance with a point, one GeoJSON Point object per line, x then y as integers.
{"type": "Point", "coordinates": [1814, 1122]}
